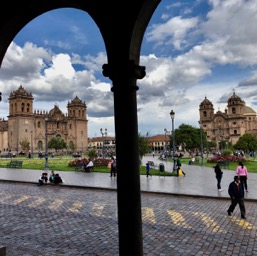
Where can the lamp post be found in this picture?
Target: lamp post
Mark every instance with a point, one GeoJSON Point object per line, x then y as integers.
{"type": "Point", "coordinates": [201, 137]}
{"type": "Point", "coordinates": [82, 146]}
{"type": "Point", "coordinates": [46, 146]}
{"type": "Point", "coordinates": [104, 134]}
{"type": "Point", "coordinates": [165, 131]}
{"type": "Point", "coordinates": [31, 144]}
{"type": "Point", "coordinates": [172, 116]}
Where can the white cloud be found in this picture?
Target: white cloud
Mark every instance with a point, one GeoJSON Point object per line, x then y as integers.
{"type": "Point", "coordinates": [192, 56]}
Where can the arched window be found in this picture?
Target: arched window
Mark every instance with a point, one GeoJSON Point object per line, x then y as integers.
{"type": "Point", "coordinates": [235, 131]}
{"type": "Point", "coordinates": [233, 110]}
{"type": "Point", "coordinates": [22, 107]}
{"type": "Point", "coordinates": [38, 124]}
{"type": "Point", "coordinates": [28, 107]}
{"type": "Point", "coordinates": [204, 113]}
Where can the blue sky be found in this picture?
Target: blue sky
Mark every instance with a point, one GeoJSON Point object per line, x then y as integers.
{"type": "Point", "coordinates": [192, 49]}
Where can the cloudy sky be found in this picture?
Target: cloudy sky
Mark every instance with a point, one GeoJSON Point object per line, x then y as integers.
{"type": "Point", "coordinates": [192, 49]}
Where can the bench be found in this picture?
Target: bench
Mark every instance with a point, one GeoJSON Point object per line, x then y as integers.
{"type": "Point", "coordinates": [79, 168]}
{"type": "Point", "coordinates": [224, 163]}
{"type": "Point", "coordinates": [14, 164]}
{"type": "Point", "coordinates": [196, 162]}
{"type": "Point", "coordinates": [152, 164]}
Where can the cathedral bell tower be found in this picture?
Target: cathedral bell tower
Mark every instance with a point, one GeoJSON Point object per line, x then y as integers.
{"type": "Point", "coordinates": [20, 119]}
{"type": "Point", "coordinates": [206, 111]}
{"type": "Point", "coordinates": [77, 123]}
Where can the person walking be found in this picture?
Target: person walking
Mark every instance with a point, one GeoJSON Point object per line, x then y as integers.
{"type": "Point", "coordinates": [148, 168]}
{"type": "Point", "coordinates": [242, 172]}
{"type": "Point", "coordinates": [179, 164]}
{"type": "Point", "coordinates": [236, 193]}
{"type": "Point", "coordinates": [113, 167]}
{"type": "Point", "coordinates": [218, 174]}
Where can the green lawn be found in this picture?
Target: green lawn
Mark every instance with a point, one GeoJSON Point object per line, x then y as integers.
{"type": "Point", "coordinates": [62, 164]}
{"type": "Point", "coordinates": [251, 164]}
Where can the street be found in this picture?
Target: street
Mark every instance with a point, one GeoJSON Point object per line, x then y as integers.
{"type": "Point", "coordinates": [53, 221]}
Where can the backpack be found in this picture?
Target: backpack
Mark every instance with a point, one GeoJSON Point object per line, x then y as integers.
{"type": "Point", "coordinates": [114, 165]}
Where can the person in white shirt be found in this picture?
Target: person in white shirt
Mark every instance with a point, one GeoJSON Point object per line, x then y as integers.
{"type": "Point", "coordinates": [90, 166]}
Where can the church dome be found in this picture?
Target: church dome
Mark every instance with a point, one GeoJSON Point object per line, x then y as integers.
{"type": "Point", "coordinates": [54, 112]}
{"type": "Point", "coordinates": [21, 93]}
{"type": "Point", "coordinates": [206, 102]}
{"type": "Point", "coordinates": [234, 99]}
{"type": "Point", "coordinates": [248, 110]}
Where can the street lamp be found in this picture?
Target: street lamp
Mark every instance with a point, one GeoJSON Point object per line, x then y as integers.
{"type": "Point", "coordinates": [165, 131]}
{"type": "Point", "coordinates": [201, 137]}
{"type": "Point", "coordinates": [46, 147]}
{"type": "Point", "coordinates": [172, 116]}
{"type": "Point", "coordinates": [82, 141]}
{"type": "Point", "coordinates": [31, 144]}
{"type": "Point", "coordinates": [104, 134]}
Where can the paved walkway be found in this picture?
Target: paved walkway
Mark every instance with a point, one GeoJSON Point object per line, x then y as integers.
{"type": "Point", "coordinates": [199, 181]}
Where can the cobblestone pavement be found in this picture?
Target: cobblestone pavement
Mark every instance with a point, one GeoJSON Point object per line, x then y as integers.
{"type": "Point", "coordinates": [53, 221]}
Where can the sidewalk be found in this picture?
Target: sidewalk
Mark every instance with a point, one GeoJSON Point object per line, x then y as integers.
{"type": "Point", "coordinates": [199, 181]}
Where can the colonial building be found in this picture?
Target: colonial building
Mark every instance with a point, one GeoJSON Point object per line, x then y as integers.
{"type": "Point", "coordinates": [237, 120]}
{"type": "Point", "coordinates": [37, 127]}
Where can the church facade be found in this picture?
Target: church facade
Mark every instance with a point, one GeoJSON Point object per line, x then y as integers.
{"type": "Point", "coordinates": [38, 127]}
{"type": "Point", "coordinates": [237, 120]}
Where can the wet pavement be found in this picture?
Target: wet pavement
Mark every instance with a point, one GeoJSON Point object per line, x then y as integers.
{"type": "Point", "coordinates": [199, 181]}
{"type": "Point", "coordinates": [72, 220]}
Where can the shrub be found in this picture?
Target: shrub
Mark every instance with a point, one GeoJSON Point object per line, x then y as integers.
{"type": "Point", "coordinates": [98, 162]}
{"type": "Point", "coordinates": [226, 158]}
{"type": "Point", "coordinates": [226, 152]}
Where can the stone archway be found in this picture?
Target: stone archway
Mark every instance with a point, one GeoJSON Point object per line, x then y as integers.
{"type": "Point", "coordinates": [121, 29]}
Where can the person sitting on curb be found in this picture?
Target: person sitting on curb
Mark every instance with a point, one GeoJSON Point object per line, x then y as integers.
{"type": "Point", "coordinates": [43, 179]}
{"type": "Point", "coordinates": [51, 178]}
{"type": "Point", "coordinates": [57, 179]}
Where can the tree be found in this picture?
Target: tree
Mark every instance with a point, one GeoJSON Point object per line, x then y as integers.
{"type": "Point", "coordinates": [25, 145]}
{"type": "Point", "coordinates": [57, 142]}
{"type": "Point", "coordinates": [189, 136]}
{"type": "Point", "coordinates": [247, 142]}
{"type": "Point", "coordinates": [143, 146]}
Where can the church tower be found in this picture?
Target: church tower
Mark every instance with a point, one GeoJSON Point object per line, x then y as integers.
{"type": "Point", "coordinates": [20, 119]}
{"type": "Point", "coordinates": [77, 123]}
{"type": "Point", "coordinates": [206, 110]}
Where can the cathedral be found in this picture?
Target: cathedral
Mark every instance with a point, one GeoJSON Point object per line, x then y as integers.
{"type": "Point", "coordinates": [38, 127]}
{"type": "Point", "coordinates": [237, 120]}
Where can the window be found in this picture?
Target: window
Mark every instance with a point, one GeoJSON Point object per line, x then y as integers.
{"type": "Point", "coordinates": [235, 131]}
{"type": "Point", "coordinates": [233, 110]}
{"type": "Point", "coordinates": [204, 113]}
